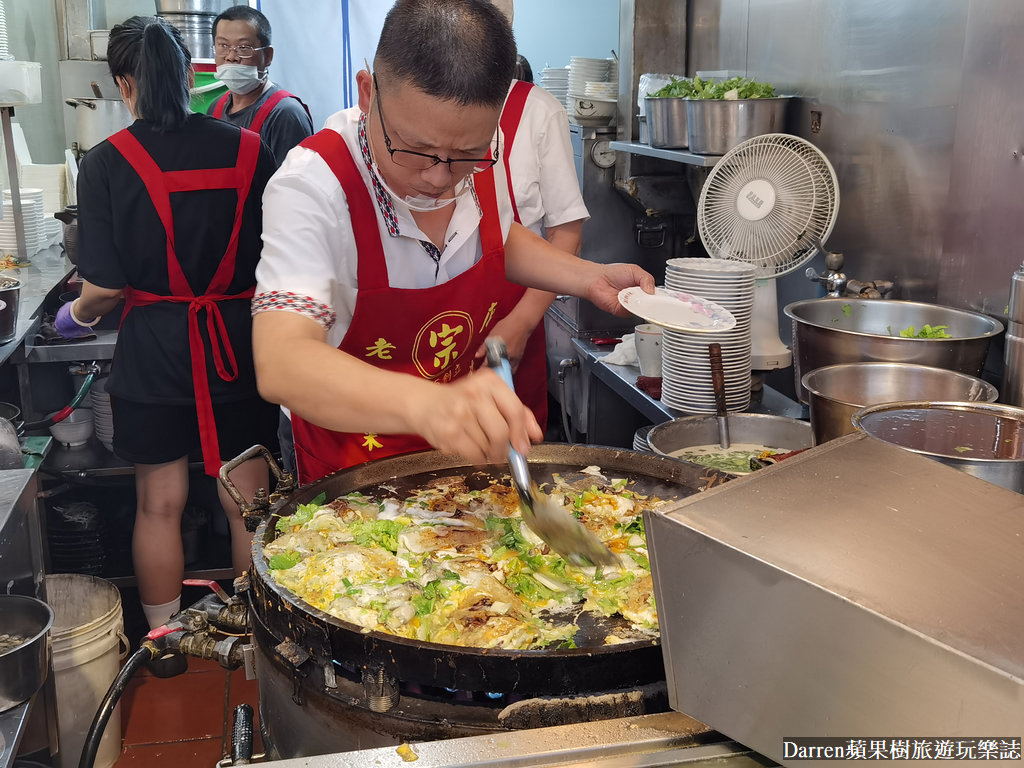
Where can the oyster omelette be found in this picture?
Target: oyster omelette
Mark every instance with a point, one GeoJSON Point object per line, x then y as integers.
{"type": "Point", "coordinates": [457, 566]}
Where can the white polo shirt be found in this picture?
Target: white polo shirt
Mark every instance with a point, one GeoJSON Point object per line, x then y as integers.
{"type": "Point", "coordinates": [309, 260]}
{"type": "Point", "coordinates": [543, 171]}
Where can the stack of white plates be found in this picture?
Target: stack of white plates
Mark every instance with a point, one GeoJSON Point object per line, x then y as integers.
{"type": "Point", "coordinates": [32, 218]}
{"type": "Point", "coordinates": [601, 90]}
{"type": "Point", "coordinates": [555, 80]}
{"type": "Point", "coordinates": [686, 367]}
{"type": "Point", "coordinates": [582, 71]}
{"type": "Point", "coordinates": [103, 419]}
{"type": "Point", "coordinates": [640, 439]}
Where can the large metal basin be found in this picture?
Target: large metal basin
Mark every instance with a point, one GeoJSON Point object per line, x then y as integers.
{"type": "Point", "coordinates": [982, 439]}
{"type": "Point", "coordinates": [23, 667]}
{"type": "Point", "coordinates": [836, 392]}
{"type": "Point", "coordinates": [832, 331]}
{"type": "Point", "coordinates": [758, 428]}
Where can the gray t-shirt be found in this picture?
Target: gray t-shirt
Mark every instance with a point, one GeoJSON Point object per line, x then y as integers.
{"type": "Point", "coordinates": [285, 126]}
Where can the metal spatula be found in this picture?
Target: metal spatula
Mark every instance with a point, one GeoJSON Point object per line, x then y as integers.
{"type": "Point", "coordinates": [552, 522]}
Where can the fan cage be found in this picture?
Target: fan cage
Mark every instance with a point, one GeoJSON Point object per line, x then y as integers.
{"type": "Point", "coordinates": [801, 219]}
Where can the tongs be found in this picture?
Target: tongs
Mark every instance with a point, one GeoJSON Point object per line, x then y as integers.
{"type": "Point", "coordinates": [549, 520]}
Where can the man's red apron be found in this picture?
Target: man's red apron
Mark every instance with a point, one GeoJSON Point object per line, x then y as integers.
{"type": "Point", "coordinates": [160, 185]}
{"type": "Point", "coordinates": [429, 332]}
{"type": "Point", "coordinates": [263, 112]}
{"type": "Point", "coordinates": [531, 377]}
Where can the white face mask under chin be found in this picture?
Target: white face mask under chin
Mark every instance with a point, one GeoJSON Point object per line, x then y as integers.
{"type": "Point", "coordinates": [241, 78]}
{"type": "Point", "coordinates": [422, 203]}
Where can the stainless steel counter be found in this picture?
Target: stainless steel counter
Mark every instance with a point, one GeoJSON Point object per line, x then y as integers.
{"type": "Point", "coordinates": [647, 741]}
{"type": "Point", "coordinates": [46, 270]}
{"type": "Point", "coordinates": [606, 421]}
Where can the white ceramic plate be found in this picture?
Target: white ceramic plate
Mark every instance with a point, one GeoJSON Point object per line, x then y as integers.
{"type": "Point", "coordinates": [677, 310]}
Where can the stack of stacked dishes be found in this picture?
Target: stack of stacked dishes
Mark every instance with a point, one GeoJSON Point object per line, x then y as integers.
{"type": "Point", "coordinates": [555, 80]}
{"type": "Point", "coordinates": [32, 216]}
{"type": "Point", "coordinates": [581, 71]}
{"type": "Point", "coordinates": [640, 439]}
{"type": "Point", "coordinates": [686, 367]}
{"type": "Point", "coordinates": [103, 420]}
{"type": "Point", "coordinates": [601, 90]}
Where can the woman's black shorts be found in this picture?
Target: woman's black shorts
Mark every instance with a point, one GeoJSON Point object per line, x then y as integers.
{"type": "Point", "coordinates": [148, 433]}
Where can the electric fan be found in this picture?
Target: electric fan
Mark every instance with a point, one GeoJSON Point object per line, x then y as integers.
{"type": "Point", "coordinates": [770, 202]}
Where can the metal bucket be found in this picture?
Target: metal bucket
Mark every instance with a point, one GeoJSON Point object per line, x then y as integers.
{"type": "Point", "coordinates": [832, 331]}
{"type": "Point", "coordinates": [10, 293]}
{"type": "Point", "coordinates": [714, 126]}
{"type": "Point", "coordinates": [666, 122]}
{"type": "Point", "coordinates": [985, 440]}
{"type": "Point", "coordinates": [23, 666]}
{"type": "Point", "coordinates": [836, 392]}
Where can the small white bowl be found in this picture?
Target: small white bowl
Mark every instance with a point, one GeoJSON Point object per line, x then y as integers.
{"type": "Point", "coordinates": [75, 430]}
{"type": "Point", "coordinates": [588, 110]}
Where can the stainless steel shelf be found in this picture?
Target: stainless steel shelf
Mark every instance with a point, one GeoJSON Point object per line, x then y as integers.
{"type": "Point", "coordinates": [675, 155]}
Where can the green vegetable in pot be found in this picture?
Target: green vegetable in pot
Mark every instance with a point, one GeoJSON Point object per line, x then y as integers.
{"type": "Point", "coordinates": [733, 88]}
{"type": "Point", "coordinates": [926, 332]}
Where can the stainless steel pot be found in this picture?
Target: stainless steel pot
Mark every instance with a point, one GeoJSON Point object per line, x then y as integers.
{"type": "Point", "coordinates": [985, 440]}
{"type": "Point", "coordinates": [196, 31]}
{"type": "Point", "coordinates": [714, 126]}
{"type": "Point", "coordinates": [666, 122]}
{"type": "Point", "coordinates": [831, 331]}
{"type": "Point", "coordinates": [97, 119]}
{"type": "Point", "coordinates": [193, 6]}
{"type": "Point", "coordinates": [836, 392]}
{"type": "Point", "coordinates": [758, 428]}
{"type": "Point", "coordinates": [23, 667]}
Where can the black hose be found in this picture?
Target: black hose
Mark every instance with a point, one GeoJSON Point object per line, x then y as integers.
{"type": "Point", "coordinates": [64, 412]}
{"type": "Point", "coordinates": [136, 661]}
{"type": "Point", "coordinates": [241, 736]}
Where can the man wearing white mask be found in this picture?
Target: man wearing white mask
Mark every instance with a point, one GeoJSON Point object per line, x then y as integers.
{"type": "Point", "coordinates": [242, 51]}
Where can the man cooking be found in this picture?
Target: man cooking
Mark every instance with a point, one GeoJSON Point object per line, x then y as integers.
{"type": "Point", "coordinates": [387, 237]}
{"type": "Point", "coordinates": [242, 52]}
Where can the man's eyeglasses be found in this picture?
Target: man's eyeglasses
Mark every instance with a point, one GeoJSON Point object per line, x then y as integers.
{"type": "Point", "coordinates": [421, 161]}
{"type": "Point", "coordinates": [243, 51]}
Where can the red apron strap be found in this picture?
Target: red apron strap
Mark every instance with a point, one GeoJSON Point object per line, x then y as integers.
{"type": "Point", "coordinates": [245, 170]}
{"type": "Point", "coordinates": [221, 105]}
{"type": "Point", "coordinates": [490, 223]}
{"type": "Point", "coordinates": [511, 115]}
{"type": "Point", "coordinates": [153, 179]}
{"type": "Point", "coordinates": [266, 108]}
{"type": "Point", "coordinates": [372, 268]}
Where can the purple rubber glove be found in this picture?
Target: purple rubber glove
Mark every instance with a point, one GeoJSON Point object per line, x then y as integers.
{"type": "Point", "coordinates": [66, 324]}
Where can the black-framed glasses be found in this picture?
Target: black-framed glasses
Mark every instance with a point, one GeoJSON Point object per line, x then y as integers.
{"type": "Point", "coordinates": [421, 161]}
{"type": "Point", "coordinates": [243, 51]}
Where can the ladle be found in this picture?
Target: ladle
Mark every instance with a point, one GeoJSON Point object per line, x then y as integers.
{"type": "Point", "coordinates": [718, 383]}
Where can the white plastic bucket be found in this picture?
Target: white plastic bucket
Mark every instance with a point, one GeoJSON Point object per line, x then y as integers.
{"type": "Point", "coordinates": [88, 645]}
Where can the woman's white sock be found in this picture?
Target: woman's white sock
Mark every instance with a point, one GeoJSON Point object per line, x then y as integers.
{"type": "Point", "coordinates": [158, 615]}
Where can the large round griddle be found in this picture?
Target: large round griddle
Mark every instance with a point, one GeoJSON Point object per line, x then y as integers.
{"type": "Point", "coordinates": [592, 665]}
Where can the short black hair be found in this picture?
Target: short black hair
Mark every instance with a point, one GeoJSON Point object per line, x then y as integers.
{"type": "Point", "coordinates": [456, 50]}
{"type": "Point", "coordinates": [245, 13]}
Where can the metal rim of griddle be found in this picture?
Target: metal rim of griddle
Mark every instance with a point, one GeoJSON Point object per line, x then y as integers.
{"type": "Point", "coordinates": [537, 672]}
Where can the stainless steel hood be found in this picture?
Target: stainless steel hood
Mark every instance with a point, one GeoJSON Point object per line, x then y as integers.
{"type": "Point", "coordinates": [855, 590]}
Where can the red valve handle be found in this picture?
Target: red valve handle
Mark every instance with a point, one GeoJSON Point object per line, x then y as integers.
{"type": "Point", "coordinates": [213, 585]}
